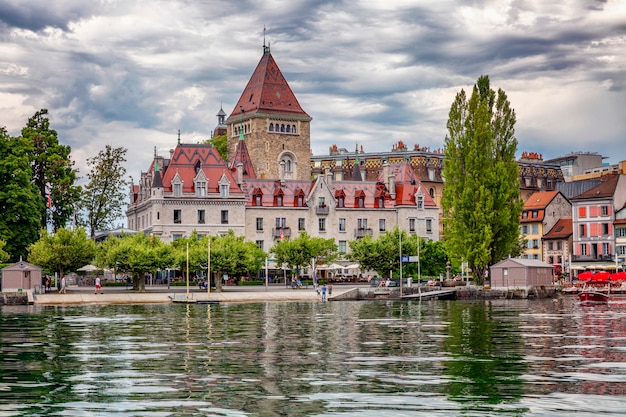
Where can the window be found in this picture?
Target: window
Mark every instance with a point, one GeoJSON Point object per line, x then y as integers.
{"type": "Point", "coordinates": [412, 225]}
{"type": "Point", "coordinates": [341, 247]}
{"type": "Point", "coordinates": [257, 200]}
{"type": "Point", "coordinates": [178, 216]}
{"type": "Point", "coordinates": [535, 214]}
{"type": "Point", "coordinates": [381, 225]}
{"type": "Point", "coordinates": [259, 224]}
{"type": "Point", "coordinates": [583, 249]}
{"type": "Point", "coordinates": [535, 229]}
{"type": "Point", "coordinates": [605, 210]}
{"type": "Point", "coordinates": [582, 212]}
{"type": "Point", "coordinates": [605, 229]}
{"type": "Point", "coordinates": [342, 225]}
{"type": "Point", "coordinates": [176, 236]}
{"type": "Point", "coordinates": [431, 191]}
{"type": "Point", "coordinates": [178, 189]}
{"type": "Point", "coordinates": [420, 202]}
{"type": "Point", "coordinates": [280, 222]}
{"type": "Point", "coordinates": [201, 189]}
{"type": "Point", "coordinates": [301, 223]}
{"type": "Point", "coordinates": [362, 224]}
{"type": "Point", "coordinates": [550, 246]}
{"type": "Point", "coordinates": [621, 250]}
{"type": "Point", "coordinates": [525, 229]}
{"type": "Point", "coordinates": [381, 202]}
{"type": "Point", "coordinates": [524, 214]}
{"type": "Point", "coordinates": [582, 230]}
{"type": "Point", "coordinates": [620, 232]}
{"type": "Point", "coordinates": [429, 225]}
{"type": "Point", "coordinates": [201, 216]}
{"type": "Point", "coordinates": [360, 202]}
{"type": "Point", "coordinates": [536, 244]}
{"type": "Point", "coordinates": [224, 190]}
{"type": "Point", "coordinates": [224, 216]}
{"type": "Point", "coordinates": [299, 201]}
{"type": "Point", "coordinates": [158, 215]}
{"type": "Point", "coordinates": [605, 249]}
{"type": "Point", "coordinates": [321, 202]}
{"type": "Point", "coordinates": [259, 244]}
{"type": "Point", "coordinates": [341, 202]}
{"type": "Point", "coordinates": [559, 245]}
{"type": "Point", "coordinates": [322, 225]}
{"type": "Point", "coordinates": [279, 201]}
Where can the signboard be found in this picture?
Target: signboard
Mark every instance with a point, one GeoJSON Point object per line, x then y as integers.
{"type": "Point", "coordinates": [406, 259]}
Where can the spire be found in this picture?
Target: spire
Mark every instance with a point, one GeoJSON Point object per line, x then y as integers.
{"type": "Point", "coordinates": [266, 49]}
{"type": "Point", "coordinates": [356, 171]}
{"type": "Point", "coordinates": [179, 136]}
{"type": "Point", "coordinates": [243, 157]}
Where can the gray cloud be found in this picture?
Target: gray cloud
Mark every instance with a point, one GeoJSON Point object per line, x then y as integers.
{"type": "Point", "coordinates": [133, 73]}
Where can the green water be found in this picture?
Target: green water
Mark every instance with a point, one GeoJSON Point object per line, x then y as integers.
{"type": "Point", "coordinates": [435, 358]}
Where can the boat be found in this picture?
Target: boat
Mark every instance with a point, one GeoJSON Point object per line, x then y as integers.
{"type": "Point", "coordinates": [595, 292]}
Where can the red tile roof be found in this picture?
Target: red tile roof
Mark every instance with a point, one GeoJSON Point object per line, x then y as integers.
{"type": "Point", "coordinates": [267, 92]}
{"type": "Point", "coordinates": [242, 156]}
{"type": "Point", "coordinates": [540, 200]}
{"type": "Point", "coordinates": [561, 230]}
{"type": "Point", "coordinates": [184, 161]}
{"type": "Point", "coordinates": [604, 190]}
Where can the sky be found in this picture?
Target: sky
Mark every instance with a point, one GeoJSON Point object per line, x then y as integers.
{"type": "Point", "coordinates": [370, 73]}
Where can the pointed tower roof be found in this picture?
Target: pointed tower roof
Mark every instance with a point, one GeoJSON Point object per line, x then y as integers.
{"type": "Point", "coordinates": [267, 92]}
{"type": "Point", "coordinates": [157, 181]}
{"type": "Point", "coordinates": [242, 156]}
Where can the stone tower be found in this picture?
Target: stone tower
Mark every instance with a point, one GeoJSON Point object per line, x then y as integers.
{"type": "Point", "coordinates": [274, 127]}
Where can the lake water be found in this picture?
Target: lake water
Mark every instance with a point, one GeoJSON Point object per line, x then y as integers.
{"type": "Point", "coordinates": [367, 358]}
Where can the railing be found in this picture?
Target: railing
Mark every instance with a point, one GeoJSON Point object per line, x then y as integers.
{"type": "Point", "coordinates": [322, 210]}
{"type": "Point", "coordinates": [285, 231]}
{"type": "Point", "coordinates": [359, 233]}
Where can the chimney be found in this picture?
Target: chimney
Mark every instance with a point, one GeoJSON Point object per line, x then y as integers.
{"type": "Point", "coordinates": [240, 173]}
{"type": "Point", "coordinates": [392, 186]}
{"type": "Point", "coordinates": [329, 177]}
{"type": "Point", "coordinates": [386, 174]}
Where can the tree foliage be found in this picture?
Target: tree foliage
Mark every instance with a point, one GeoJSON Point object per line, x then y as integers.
{"type": "Point", "coordinates": [20, 202]}
{"type": "Point", "coordinates": [62, 251]}
{"type": "Point", "coordinates": [52, 172]}
{"type": "Point", "coordinates": [220, 143]}
{"type": "Point", "coordinates": [103, 196]}
{"type": "Point", "coordinates": [304, 251]}
{"type": "Point", "coordinates": [137, 254]}
{"type": "Point", "coordinates": [234, 256]}
{"type": "Point", "coordinates": [480, 200]}
{"type": "Point", "coordinates": [3, 255]}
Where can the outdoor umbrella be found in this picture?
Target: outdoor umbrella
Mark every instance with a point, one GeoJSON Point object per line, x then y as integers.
{"type": "Point", "coordinates": [585, 276]}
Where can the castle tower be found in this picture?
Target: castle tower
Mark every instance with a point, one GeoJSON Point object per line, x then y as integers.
{"type": "Point", "coordinates": [272, 123]}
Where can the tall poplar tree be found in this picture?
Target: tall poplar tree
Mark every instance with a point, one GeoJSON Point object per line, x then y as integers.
{"type": "Point", "coordinates": [52, 172]}
{"type": "Point", "coordinates": [20, 202]}
{"type": "Point", "coordinates": [481, 200]}
{"type": "Point", "coordinates": [104, 195]}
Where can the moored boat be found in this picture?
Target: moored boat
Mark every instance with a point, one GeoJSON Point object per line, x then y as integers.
{"type": "Point", "coordinates": [595, 292]}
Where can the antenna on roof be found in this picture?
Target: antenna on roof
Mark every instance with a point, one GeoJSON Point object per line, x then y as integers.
{"type": "Point", "coordinates": [266, 49]}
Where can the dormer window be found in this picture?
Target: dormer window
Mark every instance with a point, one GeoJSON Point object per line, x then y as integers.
{"type": "Point", "coordinates": [200, 188]}
{"type": "Point", "coordinates": [257, 197]}
{"type": "Point", "coordinates": [341, 201]}
{"type": "Point", "coordinates": [177, 186]}
{"type": "Point", "coordinates": [419, 201]}
{"type": "Point", "coordinates": [224, 187]}
{"type": "Point", "coordinates": [381, 202]}
{"type": "Point", "coordinates": [278, 198]}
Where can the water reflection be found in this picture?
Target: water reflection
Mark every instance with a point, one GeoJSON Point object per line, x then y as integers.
{"type": "Point", "coordinates": [508, 357]}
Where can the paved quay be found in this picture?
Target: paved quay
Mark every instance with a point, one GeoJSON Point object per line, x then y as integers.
{"type": "Point", "coordinates": [161, 294]}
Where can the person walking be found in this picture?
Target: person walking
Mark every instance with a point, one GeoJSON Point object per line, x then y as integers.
{"type": "Point", "coordinates": [323, 292]}
{"type": "Point", "coordinates": [98, 286]}
{"type": "Point", "coordinates": [63, 289]}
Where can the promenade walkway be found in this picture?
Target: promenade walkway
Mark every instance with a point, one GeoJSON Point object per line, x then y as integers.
{"type": "Point", "coordinates": [161, 294]}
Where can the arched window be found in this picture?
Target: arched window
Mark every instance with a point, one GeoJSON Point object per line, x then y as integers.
{"type": "Point", "coordinates": [431, 192]}
{"type": "Point", "coordinates": [271, 127]}
{"type": "Point", "coordinates": [282, 128]}
{"type": "Point", "coordinates": [288, 165]}
{"type": "Point", "coordinates": [293, 128]}
{"type": "Point", "coordinates": [288, 128]}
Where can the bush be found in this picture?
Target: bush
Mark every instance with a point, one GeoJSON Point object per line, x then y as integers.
{"type": "Point", "coordinates": [251, 282]}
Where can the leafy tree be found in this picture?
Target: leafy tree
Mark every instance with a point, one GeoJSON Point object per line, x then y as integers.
{"type": "Point", "coordinates": [480, 200]}
{"type": "Point", "coordinates": [3, 255]}
{"type": "Point", "coordinates": [234, 256]}
{"type": "Point", "coordinates": [382, 254]}
{"type": "Point", "coordinates": [20, 202]}
{"type": "Point", "coordinates": [63, 251]}
{"type": "Point", "coordinates": [303, 251]}
{"type": "Point", "coordinates": [52, 171]}
{"type": "Point", "coordinates": [137, 254]}
{"type": "Point", "coordinates": [103, 196]}
{"type": "Point", "coordinates": [220, 143]}
{"type": "Point", "coordinates": [196, 248]}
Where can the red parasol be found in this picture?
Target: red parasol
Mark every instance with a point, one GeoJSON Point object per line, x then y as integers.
{"type": "Point", "coordinates": [618, 276]}
{"type": "Point", "coordinates": [595, 276]}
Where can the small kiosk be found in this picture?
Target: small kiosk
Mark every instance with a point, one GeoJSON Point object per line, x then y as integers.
{"type": "Point", "coordinates": [21, 276]}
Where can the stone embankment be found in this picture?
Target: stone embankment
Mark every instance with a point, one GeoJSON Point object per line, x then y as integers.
{"type": "Point", "coordinates": [14, 298]}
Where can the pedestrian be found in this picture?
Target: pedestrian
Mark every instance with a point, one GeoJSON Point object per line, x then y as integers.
{"type": "Point", "coordinates": [323, 292]}
{"type": "Point", "coordinates": [98, 286]}
{"type": "Point", "coordinates": [330, 290]}
{"type": "Point", "coordinates": [63, 289]}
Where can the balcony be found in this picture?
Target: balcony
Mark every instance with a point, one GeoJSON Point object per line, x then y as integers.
{"type": "Point", "coordinates": [278, 231]}
{"type": "Point", "coordinates": [361, 232]}
{"type": "Point", "coordinates": [585, 258]}
{"type": "Point", "coordinates": [322, 210]}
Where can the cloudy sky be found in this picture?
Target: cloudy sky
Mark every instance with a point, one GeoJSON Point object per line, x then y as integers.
{"type": "Point", "coordinates": [370, 72]}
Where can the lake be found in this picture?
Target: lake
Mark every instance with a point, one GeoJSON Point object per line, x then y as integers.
{"type": "Point", "coordinates": [365, 358]}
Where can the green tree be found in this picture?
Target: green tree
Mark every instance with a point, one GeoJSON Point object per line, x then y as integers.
{"type": "Point", "coordinates": [20, 202]}
{"type": "Point", "coordinates": [220, 143]}
{"type": "Point", "coordinates": [52, 172]}
{"type": "Point", "coordinates": [62, 251]}
{"type": "Point", "coordinates": [234, 256]}
{"type": "Point", "coordinates": [103, 196]}
{"type": "Point", "coordinates": [191, 251]}
{"type": "Point", "coordinates": [382, 254]}
{"type": "Point", "coordinates": [3, 255]}
{"type": "Point", "coordinates": [136, 254]}
{"type": "Point", "coordinates": [481, 200]}
{"type": "Point", "coordinates": [304, 251]}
